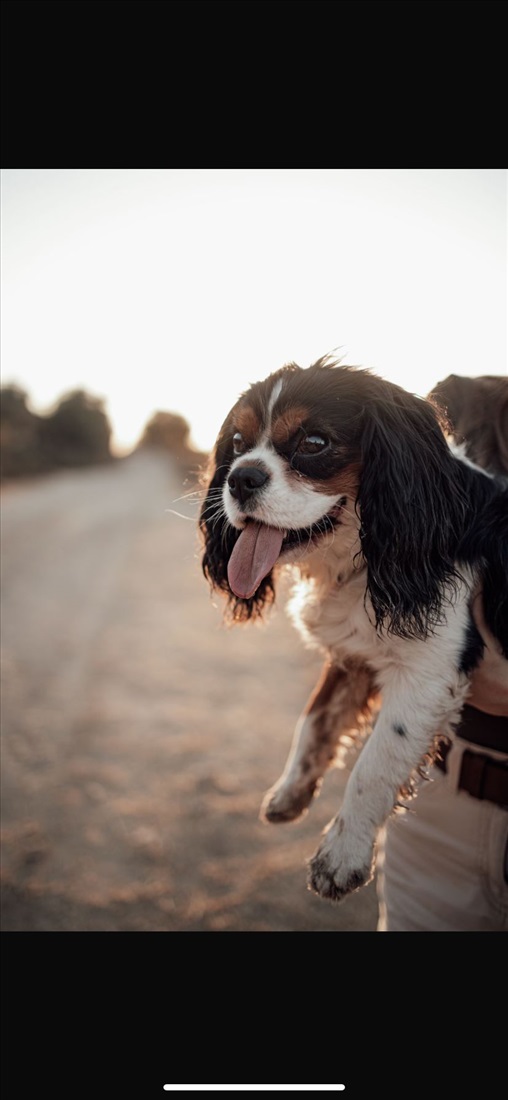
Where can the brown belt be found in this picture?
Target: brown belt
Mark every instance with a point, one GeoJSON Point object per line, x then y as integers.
{"type": "Point", "coordinates": [482, 776]}
{"type": "Point", "coordinates": [488, 730]}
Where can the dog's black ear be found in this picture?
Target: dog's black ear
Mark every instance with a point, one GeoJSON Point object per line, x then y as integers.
{"type": "Point", "coordinates": [486, 543]}
{"type": "Point", "coordinates": [219, 535]}
{"type": "Point", "coordinates": [410, 503]}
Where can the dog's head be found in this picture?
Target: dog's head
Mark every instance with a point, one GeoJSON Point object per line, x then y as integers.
{"type": "Point", "coordinates": [303, 448]}
{"type": "Point", "coordinates": [477, 409]}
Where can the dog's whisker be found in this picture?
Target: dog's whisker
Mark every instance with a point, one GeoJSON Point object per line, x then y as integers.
{"type": "Point", "coordinates": [195, 494]}
{"type": "Point", "coordinates": [172, 512]}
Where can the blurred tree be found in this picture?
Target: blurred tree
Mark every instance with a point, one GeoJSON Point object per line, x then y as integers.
{"type": "Point", "coordinates": [20, 450]}
{"type": "Point", "coordinates": [77, 433]}
{"type": "Point", "coordinates": [168, 431]}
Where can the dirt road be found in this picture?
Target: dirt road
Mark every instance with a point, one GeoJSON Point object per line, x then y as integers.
{"type": "Point", "coordinates": [139, 734]}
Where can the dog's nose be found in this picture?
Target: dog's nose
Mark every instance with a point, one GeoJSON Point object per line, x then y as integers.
{"type": "Point", "coordinates": [245, 481]}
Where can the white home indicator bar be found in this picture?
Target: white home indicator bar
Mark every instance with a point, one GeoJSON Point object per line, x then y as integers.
{"type": "Point", "coordinates": [254, 1088]}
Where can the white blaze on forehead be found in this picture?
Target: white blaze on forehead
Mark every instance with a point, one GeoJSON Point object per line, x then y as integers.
{"type": "Point", "coordinates": [274, 396]}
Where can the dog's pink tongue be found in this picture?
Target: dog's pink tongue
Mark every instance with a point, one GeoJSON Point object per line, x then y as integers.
{"type": "Point", "coordinates": [254, 554]}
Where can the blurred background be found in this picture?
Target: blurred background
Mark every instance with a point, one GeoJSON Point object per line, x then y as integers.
{"type": "Point", "coordinates": [138, 733]}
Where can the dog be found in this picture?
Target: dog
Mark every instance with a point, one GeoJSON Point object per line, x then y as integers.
{"type": "Point", "coordinates": [391, 538]}
{"type": "Point", "coordinates": [477, 413]}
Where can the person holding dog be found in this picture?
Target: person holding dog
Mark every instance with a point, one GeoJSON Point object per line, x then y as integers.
{"type": "Point", "coordinates": [443, 865]}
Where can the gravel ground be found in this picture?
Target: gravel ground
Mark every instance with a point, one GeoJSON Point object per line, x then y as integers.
{"type": "Point", "coordinates": [139, 733]}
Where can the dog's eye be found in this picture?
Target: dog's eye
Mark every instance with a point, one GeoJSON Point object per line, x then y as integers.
{"type": "Point", "coordinates": [238, 443]}
{"type": "Point", "coordinates": [312, 444]}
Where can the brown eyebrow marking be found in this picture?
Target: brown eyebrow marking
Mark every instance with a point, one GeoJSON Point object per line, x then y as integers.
{"type": "Point", "coordinates": [288, 423]}
{"type": "Point", "coordinates": [247, 422]}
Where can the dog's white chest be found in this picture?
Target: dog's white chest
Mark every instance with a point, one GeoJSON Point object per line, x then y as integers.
{"type": "Point", "coordinates": [335, 618]}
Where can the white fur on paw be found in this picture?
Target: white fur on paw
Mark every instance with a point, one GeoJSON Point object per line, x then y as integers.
{"type": "Point", "coordinates": [339, 867]}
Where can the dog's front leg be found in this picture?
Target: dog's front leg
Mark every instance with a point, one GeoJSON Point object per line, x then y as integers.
{"type": "Point", "coordinates": [341, 702]}
{"type": "Point", "coordinates": [404, 732]}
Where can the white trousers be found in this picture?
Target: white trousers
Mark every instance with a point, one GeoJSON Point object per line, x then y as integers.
{"type": "Point", "coordinates": [442, 866]}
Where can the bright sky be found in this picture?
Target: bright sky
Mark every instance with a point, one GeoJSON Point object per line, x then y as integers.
{"type": "Point", "coordinates": [175, 288]}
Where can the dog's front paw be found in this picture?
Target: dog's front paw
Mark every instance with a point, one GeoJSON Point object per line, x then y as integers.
{"type": "Point", "coordinates": [339, 866]}
{"type": "Point", "coordinates": [286, 802]}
